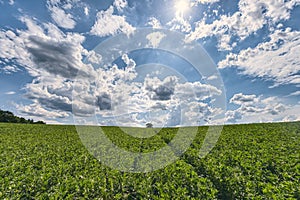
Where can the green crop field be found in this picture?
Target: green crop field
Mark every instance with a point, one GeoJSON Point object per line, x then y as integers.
{"type": "Point", "coordinates": [257, 161]}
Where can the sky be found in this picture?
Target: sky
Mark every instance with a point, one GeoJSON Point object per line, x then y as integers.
{"type": "Point", "coordinates": [167, 62]}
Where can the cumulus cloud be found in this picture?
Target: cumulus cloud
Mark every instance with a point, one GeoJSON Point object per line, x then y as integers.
{"type": "Point", "coordinates": [242, 99]}
{"type": "Point", "coordinates": [93, 57]}
{"type": "Point", "coordinates": [206, 1]}
{"type": "Point", "coordinates": [275, 60]}
{"type": "Point", "coordinates": [154, 23]}
{"type": "Point", "coordinates": [257, 108]}
{"type": "Point", "coordinates": [179, 24]}
{"type": "Point", "coordinates": [129, 62]}
{"type": "Point", "coordinates": [51, 92]}
{"type": "Point", "coordinates": [109, 91]}
{"type": "Point", "coordinates": [120, 4]}
{"type": "Point", "coordinates": [56, 57]}
{"type": "Point", "coordinates": [160, 106]}
{"type": "Point", "coordinates": [155, 39]}
{"type": "Point", "coordinates": [83, 101]}
{"type": "Point", "coordinates": [9, 69]}
{"type": "Point", "coordinates": [62, 12]}
{"type": "Point", "coordinates": [104, 102]}
{"type": "Point", "coordinates": [189, 98]}
{"type": "Point", "coordinates": [251, 17]}
{"type": "Point", "coordinates": [12, 48]}
{"type": "Point", "coordinates": [43, 49]}
{"type": "Point", "coordinates": [225, 43]}
{"type": "Point", "coordinates": [161, 90]}
{"type": "Point", "coordinates": [233, 116]}
{"type": "Point", "coordinates": [62, 83]}
{"type": "Point", "coordinates": [61, 18]}
{"type": "Point", "coordinates": [119, 96]}
{"type": "Point", "coordinates": [291, 117]}
{"type": "Point", "coordinates": [36, 110]}
{"type": "Point", "coordinates": [195, 113]}
{"type": "Point", "coordinates": [196, 90]}
{"type": "Point", "coordinates": [53, 58]}
{"type": "Point", "coordinates": [109, 24]}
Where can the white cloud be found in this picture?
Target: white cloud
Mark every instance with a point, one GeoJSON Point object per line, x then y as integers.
{"type": "Point", "coordinates": [154, 23]}
{"type": "Point", "coordinates": [290, 118]}
{"type": "Point", "coordinates": [109, 92]}
{"type": "Point", "coordinates": [35, 110]}
{"type": "Point", "coordinates": [52, 92]}
{"type": "Point", "coordinates": [93, 57]}
{"type": "Point", "coordinates": [233, 116]}
{"type": "Point", "coordinates": [65, 13]}
{"type": "Point", "coordinates": [224, 43]}
{"type": "Point", "coordinates": [54, 2]}
{"type": "Point", "coordinates": [53, 58]}
{"type": "Point", "coordinates": [242, 99]}
{"type": "Point", "coordinates": [212, 77]}
{"type": "Point", "coordinates": [161, 90]}
{"type": "Point", "coordinates": [32, 28]}
{"type": "Point", "coordinates": [9, 69]}
{"type": "Point", "coordinates": [43, 49]}
{"type": "Point", "coordinates": [61, 18]}
{"type": "Point", "coordinates": [129, 62]}
{"type": "Point", "coordinates": [86, 11]}
{"type": "Point", "coordinates": [67, 6]}
{"type": "Point", "coordinates": [240, 24]}
{"type": "Point", "coordinates": [61, 58]}
{"type": "Point", "coordinates": [196, 90]}
{"type": "Point", "coordinates": [297, 93]}
{"type": "Point", "coordinates": [11, 2]}
{"type": "Point", "coordinates": [179, 24]}
{"type": "Point", "coordinates": [12, 46]}
{"type": "Point", "coordinates": [206, 1]}
{"type": "Point", "coordinates": [109, 24]}
{"type": "Point", "coordinates": [155, 39]}
{"type": "Point", "coordinates": [120, 4]}
{"type": "Point", "coordinates": [275, 60]}
{"type": "Point", "coordinates": [119, 100]}
{"type": "Point", "coordinates": [254, 108]}
{"type": "Point", "coordinates": [251, 16]}
{"type": "Point", "coordinates": [198, 113]}
{"type": "Point", "coordinates": [10, 92]}
{"type": "Point", "coordinates": [112, 92]}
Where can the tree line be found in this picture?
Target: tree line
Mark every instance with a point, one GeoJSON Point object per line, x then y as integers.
{"type": "Point", "coordinates": [9, 117]}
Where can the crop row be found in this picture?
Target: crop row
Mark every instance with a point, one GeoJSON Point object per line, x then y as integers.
{"type": "Point", "coordinates": [259, 161]}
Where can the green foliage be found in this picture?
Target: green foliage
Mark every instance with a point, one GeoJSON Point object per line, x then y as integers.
{"type": "Point", "coordinates": [9, 117]}
{"type": "Point", "coordinates": [258, 161]}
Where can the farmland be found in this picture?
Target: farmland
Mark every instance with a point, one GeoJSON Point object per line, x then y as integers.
{"type": "Point", "coordinates": [256, 161]}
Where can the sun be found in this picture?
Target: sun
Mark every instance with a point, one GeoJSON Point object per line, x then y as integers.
{"type": "Point", "coordinates": [181, 7]}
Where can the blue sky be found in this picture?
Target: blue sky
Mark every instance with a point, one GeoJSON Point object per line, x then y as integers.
{"type": "Point", "coordinates": [129, 62]}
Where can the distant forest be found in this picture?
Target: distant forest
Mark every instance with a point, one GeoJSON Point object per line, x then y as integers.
{"type": "Point", "coordinates": [9, 117]}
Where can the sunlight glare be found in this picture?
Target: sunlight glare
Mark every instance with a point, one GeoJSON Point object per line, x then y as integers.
{"type": "Point", "coordinates": [181, 7]}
